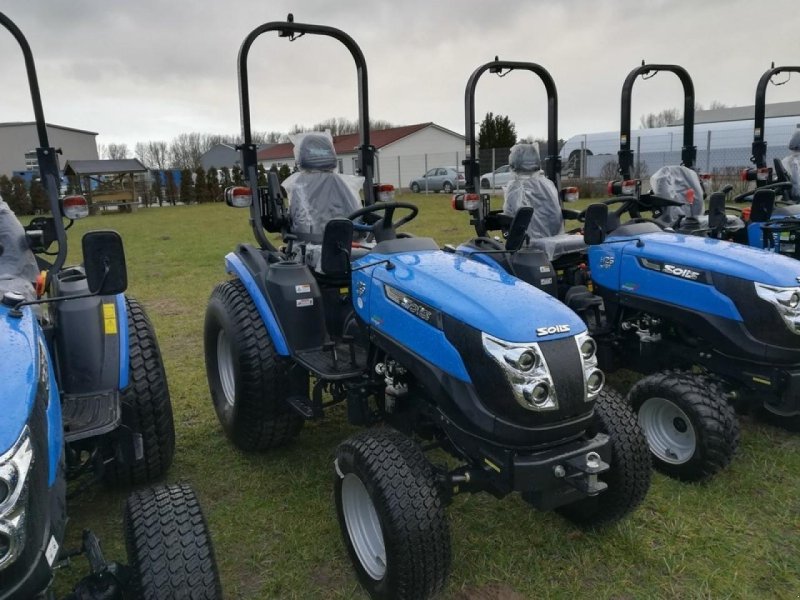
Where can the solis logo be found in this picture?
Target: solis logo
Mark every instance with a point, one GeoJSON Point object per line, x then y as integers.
{"type": "Point", "coordinates": [681, 272]}
{"type": "Point", "coordinates": [543, 331]}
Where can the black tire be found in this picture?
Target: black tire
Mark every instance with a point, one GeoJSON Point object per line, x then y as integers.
{"type": "Point", "coordinates": [628, 477]}
{"type": "Point", "coordinates": [695, 417]}
{"type": "Point", "coordinates": [413, 527]}
{"type": "Point", "coordinates": [255, 416]}
{"type": "Point", "coordinates": [146, 405]}
{"type": "Point", "coordinates": [447, 187]}
{"type": "Point", "coordinates": [170, 554]}
{"type": "Point", "coordinates": [485, 183]}
{"type": "Point", "coordinates": [415, 187]}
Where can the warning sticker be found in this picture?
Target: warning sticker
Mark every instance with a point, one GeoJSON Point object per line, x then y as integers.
{"type": "Point", "coordinates": [302, 289]}
{"type": "Point", "coordinates": [52, 550]}
{"type": "Point", "coordinates": [305, 302]}
{"type": "Point", "coordinates": [109, 318]}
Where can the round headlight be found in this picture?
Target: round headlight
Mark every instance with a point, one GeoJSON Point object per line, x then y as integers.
{"type": "Point", "coordinates": [794, 300]}
{"type": "Point", "coordinates": [588, 348]}
{"type": "Point", "coordinates": [595, 381]}
{"type": "Point", "coordinates": [526, 361]}
{"type": "Point", "coordinates": [540, 393]}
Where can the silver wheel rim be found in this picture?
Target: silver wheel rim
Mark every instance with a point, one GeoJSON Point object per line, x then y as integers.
{"type": "Point", "coordinates": [363, 526]}
{"type": "Point", "coordinates": [669, 431]}
{"type": "Point", "coordinates": [225, 367]}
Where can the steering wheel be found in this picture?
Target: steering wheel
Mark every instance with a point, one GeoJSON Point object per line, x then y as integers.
{"type": "Point", "coordinates": [384, 224]}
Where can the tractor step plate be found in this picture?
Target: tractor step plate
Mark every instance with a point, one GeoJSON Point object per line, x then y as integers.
{"type": "Point", "coordinates": [333, 363]}
{"type": "Point", "coordinates": [90, 415]}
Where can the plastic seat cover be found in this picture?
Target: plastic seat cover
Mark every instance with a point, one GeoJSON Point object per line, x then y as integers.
{"type": "Point", "coordinates": [18, 268]}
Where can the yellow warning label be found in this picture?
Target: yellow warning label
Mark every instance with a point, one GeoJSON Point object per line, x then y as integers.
{"type": "Point", "coordinates": [110, 318]}
{"type": "Point", "coordinates": [762, 380]}
{"type": "Point", "coordinates": [491, 464]}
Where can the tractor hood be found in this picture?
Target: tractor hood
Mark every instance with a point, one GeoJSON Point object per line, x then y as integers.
{"type": "Point", "coordinates": [482, 296]}
{"type": "Point", "coordinates": [716, 256]}
{"type": "Point", "coordinates": [19, 368]}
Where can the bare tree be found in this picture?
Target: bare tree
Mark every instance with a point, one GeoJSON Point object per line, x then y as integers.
{"type": "Point", "coordinates": [665, 118]}
{"type": "Point", "coordinates": [114, 151]}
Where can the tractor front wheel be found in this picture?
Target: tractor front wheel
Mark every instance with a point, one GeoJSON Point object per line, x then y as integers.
{"type": "Point", "coordinates": [392, 517]}
{"type": "Point", "coordinates": [169, 548]}
{"type": "Point", "coordinates": [628, 477]}
{"type": "Point", "coordinates": [691, 428]}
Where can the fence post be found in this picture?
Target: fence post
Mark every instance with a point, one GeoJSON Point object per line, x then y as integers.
{"type": "Point", "coordinates": [582, 174]}
{"type": "Point", "coordinates": [708, 153]}
{"type": "Point", "coordinates": [399, 176]}
{"type": "Point", "coordinates": [426, 173]}
{"type": "Point", "coordinates": [457, 171]}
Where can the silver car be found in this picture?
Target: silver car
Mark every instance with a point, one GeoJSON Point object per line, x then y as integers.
{"type": "Point", "coordinates": [497, 178]}
{"type": "Point", "coordinates": [438, 179]}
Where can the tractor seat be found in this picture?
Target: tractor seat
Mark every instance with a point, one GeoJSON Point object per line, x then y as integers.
{"type": "Point", "coordinates": [683, 185]}
{"type": "Point", "coordinates": [530, 187]}
{"type": "Point", "coordinates": [18, 268]}
{"type": "Point", "coordinates": [316, 192]}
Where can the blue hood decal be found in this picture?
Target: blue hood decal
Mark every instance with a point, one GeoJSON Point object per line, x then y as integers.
{"type": "Point", "coordinates": [18, 365]}
{"type": "Point", "coordinates": [482, 296]}
{"type": "Point", "coordinates": [716, 256]}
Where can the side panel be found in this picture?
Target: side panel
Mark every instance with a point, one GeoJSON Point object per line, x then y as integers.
{"type": "Point", "coordinates": [604, 262]}
{"type": "Point", "coordinates": [235, 266]}
{"type": "Point", "coordinates": [48, 390]}
{"type": "Point", "coordinates": [124, 340]}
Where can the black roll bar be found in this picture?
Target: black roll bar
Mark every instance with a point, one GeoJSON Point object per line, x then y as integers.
{"type": "Point", "coordinates": [689, 150]}
{"type": "Point", "coordinates": [366, 152]}
{"type": "Point", "coordinates": [759, 157]}
{"type": "Point", "coordinates": [46, 155]}
{"type": "Point", "coordinates": [552, 161]}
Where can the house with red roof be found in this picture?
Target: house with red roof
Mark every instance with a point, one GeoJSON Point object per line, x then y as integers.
{"type": "Point", "coordinates": [403, 153]}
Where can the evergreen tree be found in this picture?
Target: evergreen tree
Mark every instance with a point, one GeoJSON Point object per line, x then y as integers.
{"type": "Point", "coordinates": [237, 177]}
{"type": "Point", "coordinates": [497, 131]}
{"type": "Point", "coordinates": [284, 172]}
{"type": "Point", "coordinates": [213, 188]}
{"type": "Point", "coordinates": [156, 189]}
{"type": "Point", "coordinates": [187, 193]}
{"type": "Point", "coordinates": [19, 200]}
{"type": "Point", "coordinates": [171, 189]}
{"type": "Point", "coordinates": [38, 197]}
{"type": "Point", "coordinates": [200, 185]}
{"type": "Point", "coordinates": [262, 175]}
{"type": "Point", "coordinates": [226, 176]}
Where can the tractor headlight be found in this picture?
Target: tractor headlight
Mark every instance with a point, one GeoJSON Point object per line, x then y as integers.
{"type": "Point", "coordinates": [526, 371]}
{"type": "Point", "coordinates": [14, 468]}
{"type": "Point", "coordinates": [786, 301]}
{"type": "Point", "coordinates": [593, 377]}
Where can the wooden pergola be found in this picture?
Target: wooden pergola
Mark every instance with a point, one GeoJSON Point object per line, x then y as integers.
{"type": "Point", "coordinates": [86, 171]}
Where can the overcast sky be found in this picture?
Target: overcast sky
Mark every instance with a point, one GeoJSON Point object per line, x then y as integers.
{"type": "Point", "coordinates": [147, 70]}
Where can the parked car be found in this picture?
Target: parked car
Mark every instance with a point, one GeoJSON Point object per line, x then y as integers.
{"type": "Point", "coordinates": [497, 178]}
{"type": "Point", "coordinates": [438, 179]}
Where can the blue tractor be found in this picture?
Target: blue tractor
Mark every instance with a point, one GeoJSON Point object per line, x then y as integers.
{"type": "Point", "coordinates": [435, 346]}
{"type": "Point", "coordinates": [773, 219]}
{"type": "Point", "coordinates": [713, 324]}
{"type": "Point", "coordinates": [84, 397]}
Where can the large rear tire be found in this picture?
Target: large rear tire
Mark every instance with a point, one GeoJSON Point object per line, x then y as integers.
{"type": "Point", "coordinates": [169, 548]}
{"type": "Point", "coordinates": [628, 477]}
{"type": "Point", "coordinates": [146, 405]}
{"type": "Point", "coordinates": [392, 518]}
{"type": "Point", "coordinates": [691, 428]}
{"type": "Point", "coordinates": [248, 380]}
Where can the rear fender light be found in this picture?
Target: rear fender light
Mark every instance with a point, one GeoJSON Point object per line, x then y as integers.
{"type": "Point", "coordinates": [75, 207]}
{"type": "Point", "coordinates": [468, 202]}
{"type": "Point", "coordinates": [707, 180]}
{"type": "Point", "coordinates": [384, 192]}
{"type": "Point", "coordinates": [570, 194]}
{"type": "Point", "coordinates": [238, 196]}
{"type": "Point", "coordinates": [623, 188]}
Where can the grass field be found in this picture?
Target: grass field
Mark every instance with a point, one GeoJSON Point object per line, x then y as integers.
{"type": "Point", "coordinates": [272, 515]}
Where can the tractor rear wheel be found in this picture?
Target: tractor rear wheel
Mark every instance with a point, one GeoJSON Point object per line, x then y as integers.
{"type": "Point", "coordinates": [146, 406]}
{"type": "Point", "coordinates": [691, 428]}
{"type": "Point", "coordinates": [628, 477]}
{"type": "Point", "coordinates": [249, 381]}
{"type": "Point", "coordinates": [169, 548]}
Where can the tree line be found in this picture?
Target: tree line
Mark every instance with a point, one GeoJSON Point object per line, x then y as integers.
{"type": "Point", "coordinates": [185, 150]}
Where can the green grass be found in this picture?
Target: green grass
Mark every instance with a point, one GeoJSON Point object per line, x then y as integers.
{"type": "Point", "coordinates": [272, 514]}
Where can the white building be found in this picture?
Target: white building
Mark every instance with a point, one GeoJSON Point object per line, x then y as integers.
{"type": "Point", "coordinates": [18, 143]}
{"type": "Point", "coordinates": [403, 153]}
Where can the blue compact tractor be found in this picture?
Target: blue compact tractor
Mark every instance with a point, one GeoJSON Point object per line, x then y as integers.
{"type": "Point", "coordinates": [83, 393]}
{"type": "Point", "coordinates": [428, 349]}
{"type": "Point", "coordinates": [714, 324]}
